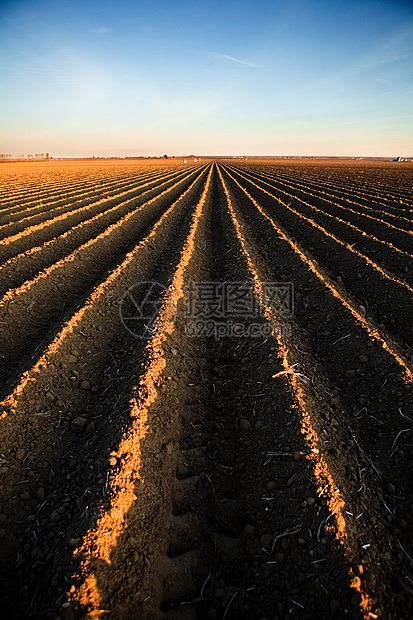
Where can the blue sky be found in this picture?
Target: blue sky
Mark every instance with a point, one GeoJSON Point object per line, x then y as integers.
{"type": "Point", "coordinates": [291, 77]}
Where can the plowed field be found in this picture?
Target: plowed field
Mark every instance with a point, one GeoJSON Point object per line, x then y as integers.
{"type": "Point", "coordinates": [245, 449]}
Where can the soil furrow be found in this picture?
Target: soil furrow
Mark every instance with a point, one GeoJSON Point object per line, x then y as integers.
{"type": "Point", "coordinates": [391, 257]}
{"type": "Point", "coordinates": [80, 193]}
{"type": "Point", "coordinates": [306, 393]}
{"type": "Point", "coordinates": [376, 193]}
{"type": "Point", "coordinates": [344, 414]}
{"type": "Point", "coordinates": [218, 422]}
{"type": "Point", "coordinates": [27, 264]}
{"type": "Point", "coordinates": [202, 553]}
{"type": "Point", "coordinates": [77, 177]}
{"type": "Point", "coordinates": [76, 203]}
{"type": "Point", "coordinates": [345, 198]}
{"type": "Point", "coordinates": [99, 550]}
{"type": "Point", "coordinates": [60, 433]}
{"type": "Point", "coordinates": [51, 192]}
{"type": "Point", "coordinates": [40, 233]}
{"type": "Point", "coordinates": [31, 312]}
{"type": "Point", "coordinates": [105, 186]}
{"type": "Point", "coordinates": [372, 287]}
{"type": "Point", "coordinates": [400, 238]}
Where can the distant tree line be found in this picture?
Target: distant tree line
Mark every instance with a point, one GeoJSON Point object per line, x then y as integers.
{"type": "Point", "coordinates": [35, 157]}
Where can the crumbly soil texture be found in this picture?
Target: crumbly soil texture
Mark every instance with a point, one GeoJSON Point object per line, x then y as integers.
{"type": "Point", "coordinates": [206, 390]}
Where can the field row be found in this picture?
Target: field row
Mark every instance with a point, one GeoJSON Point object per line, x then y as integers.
{"type": "Point", "coordinates": [370, 183]}
{"type": "Point", "coordinates": [246, 453]}
{"type": "Point", "coordinates": [39, 180]}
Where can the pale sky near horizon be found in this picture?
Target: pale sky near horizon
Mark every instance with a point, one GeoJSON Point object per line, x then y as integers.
{"type": "Point", "coordinates": [230, 77]}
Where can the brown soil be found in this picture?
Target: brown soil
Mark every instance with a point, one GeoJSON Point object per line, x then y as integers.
{"type": "Point", "coordinates": [206, 476]}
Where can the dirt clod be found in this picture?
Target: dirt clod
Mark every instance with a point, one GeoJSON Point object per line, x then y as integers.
{"type": "Point", "coordinates": [245, 425]}
{"type": "Point", "coordinates": [78, 424]}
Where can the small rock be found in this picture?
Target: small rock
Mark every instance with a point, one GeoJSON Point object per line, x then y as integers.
{"type": "Point", "coordinates": [78, 424]}
{"type": "Point", "coordinates": [291, 480]}
{"type": "Point", "coordinates": [50, 397]}
{"type": "Point", "coordinates": [271, 485]}
{"type": "Point", "coordinates": [73, 542]}
{"type": "Point", "coordinates": [20, 563]}
{"type": "Point", "coordinates": [297, 456]}
{"type": "Point", "coordinates": [245, 425]}
{"type": "Point", "coordinates": [391, 488]}
{"type": "Point", "coordinates": [364, 359]}
{"type": "Point", "coordinates": [90, 427]}
{"type": "Point", "coordinates": [20, 454]}
{"type": "Point", "coordinates": [249, 530]}
{"type": "Point", "coordinates": [266, 541]}
{"type": "Point", "coordinates": [279, 557]}
{"type": "Point", "coordinates": [334, 605]}
{"type": "Point", "coordinates": [40, 493]}
{"type": "Point", "coordinates": [85, 385]}
{"type": "Point", "coordinates": [350, 374]}
{"type": "Point", "coordinates": [310, 501]}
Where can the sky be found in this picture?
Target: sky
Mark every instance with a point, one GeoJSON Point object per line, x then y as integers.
{"type": "Point", "coordinates": [224, 77]}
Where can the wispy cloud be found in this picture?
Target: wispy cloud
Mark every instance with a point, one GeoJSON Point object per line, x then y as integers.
{"type": "Point", "coordinates": [100, 31]}
{"type": "Point", "coordinates": [177, 111]}
{"type": "Point", "coordinates": [238, 60]}
{"type": "Point", "coordinates": [395, 91]}
{"type": "Point", "coordinates": [67, 73]}
{"type": "Point", "coordinates": [397, 47]}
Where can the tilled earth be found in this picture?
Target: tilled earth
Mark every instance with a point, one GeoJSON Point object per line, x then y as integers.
{"type": "Point", "coordinates": [206, 390]}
